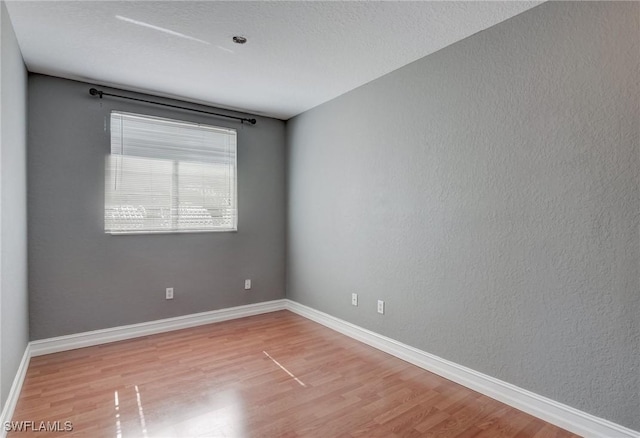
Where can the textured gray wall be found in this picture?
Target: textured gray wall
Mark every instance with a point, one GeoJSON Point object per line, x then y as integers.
{"type": "Point", "coordinates": [83, 279]}
{"type": "Point", "coordinates": [14, 323]}
{"type": "Point", "coordinates": [489, 194]}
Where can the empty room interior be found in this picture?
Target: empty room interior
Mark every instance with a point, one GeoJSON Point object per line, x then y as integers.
{"type": "Point", "coordinates": [320, 219]}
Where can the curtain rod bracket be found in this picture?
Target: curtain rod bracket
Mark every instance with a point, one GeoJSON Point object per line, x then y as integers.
{"type": "Point", "coordinates": [100, 93]}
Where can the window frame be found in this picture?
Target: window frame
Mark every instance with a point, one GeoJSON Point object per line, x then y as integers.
{"type": "Point", "coordinates": [175, 162]}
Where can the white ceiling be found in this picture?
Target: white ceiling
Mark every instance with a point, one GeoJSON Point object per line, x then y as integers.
{"type": "Point", "coordinates": [298, 55]}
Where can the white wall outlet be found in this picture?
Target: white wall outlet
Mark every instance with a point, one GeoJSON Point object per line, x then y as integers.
{"type": "Point", "coordinates": [247, 284]}
{"type": "Point", "coordinates": [354, 299]}
{"type": "Point", "coordinates": [381, 307]}
{"type": "Point", "coordinates": [169, 293]}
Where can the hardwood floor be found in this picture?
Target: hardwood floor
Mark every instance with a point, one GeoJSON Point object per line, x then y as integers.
{"type": "Point", "coordinates": [272, 375]}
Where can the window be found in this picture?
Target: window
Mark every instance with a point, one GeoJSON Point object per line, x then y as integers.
{"type": "Point", "coordinates": [167, 176]}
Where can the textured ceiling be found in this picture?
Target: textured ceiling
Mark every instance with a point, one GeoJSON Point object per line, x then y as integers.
{"type": "Point", "coordinates": [299, 54]}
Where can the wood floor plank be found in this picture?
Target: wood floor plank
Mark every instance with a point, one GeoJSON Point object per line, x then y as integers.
{"type": "Point", "coordinates": [272, 375]}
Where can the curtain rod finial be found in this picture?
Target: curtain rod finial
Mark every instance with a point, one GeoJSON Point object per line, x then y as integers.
{"type": "Point", "coordinates": [95, 92]}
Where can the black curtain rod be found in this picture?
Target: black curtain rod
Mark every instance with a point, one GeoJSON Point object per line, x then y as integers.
{"type": "Point", "coordinates": [96, 92]}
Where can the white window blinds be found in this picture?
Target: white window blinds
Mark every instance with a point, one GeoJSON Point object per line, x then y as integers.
{"type": "Point", "coordinates": [169, 176]}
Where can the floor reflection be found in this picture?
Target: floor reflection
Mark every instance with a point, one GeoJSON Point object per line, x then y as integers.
{"type": "Point", "coordinates": [143, 423]}
{"type": "Point", "coordinates": [285, 370]}
{"type": "Point", "coordinates": [219, 415]}
{"type": "Point", "coordinates": [226, 421]}
{"type": "Point", "coordinates": [118, 424]}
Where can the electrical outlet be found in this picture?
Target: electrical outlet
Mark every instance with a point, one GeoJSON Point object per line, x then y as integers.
{"type": "Point", "coordinates": [169, 293]}
{"type": "Point", "coordinates": [247, 284]}
{"type": "Point", "coordinates": [381, 307]}
{"type": "Point", "coordinates": [354, 299]}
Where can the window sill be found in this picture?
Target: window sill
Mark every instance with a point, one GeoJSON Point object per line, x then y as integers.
{"type": "Point", "coordinates": [128, 233]}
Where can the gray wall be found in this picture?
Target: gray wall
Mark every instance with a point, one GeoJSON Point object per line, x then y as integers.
{"type": "Point", "coordinates": [14, 323]}
{"type": "Point", "coordinates": [83, 279]}
{"type": "Point", "coordinates": [489, 194]}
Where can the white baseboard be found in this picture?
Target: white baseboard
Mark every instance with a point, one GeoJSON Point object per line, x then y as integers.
{"type": "Point", "coordinates": [97, 337]}
{"type": "Point", "coordinates": [14, 393]}
{"type": "Point", "coordinates": [556, 413]}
